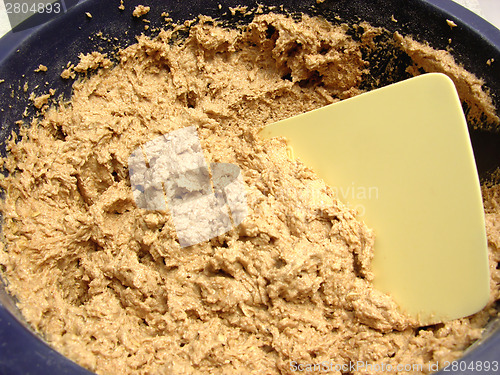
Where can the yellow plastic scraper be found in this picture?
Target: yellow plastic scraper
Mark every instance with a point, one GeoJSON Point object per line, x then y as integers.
{"type": "Point", "coordinates": [402, 156]}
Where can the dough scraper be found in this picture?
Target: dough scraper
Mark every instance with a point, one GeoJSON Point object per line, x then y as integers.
{"type": "Point", "coordinates": [401, 155]}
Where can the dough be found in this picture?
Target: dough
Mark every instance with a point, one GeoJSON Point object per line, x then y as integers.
{"type": "Point", "coordinates": [107, 283]}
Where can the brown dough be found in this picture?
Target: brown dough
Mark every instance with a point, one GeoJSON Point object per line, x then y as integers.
{"type": "Point", "coordinates": [108, 285]}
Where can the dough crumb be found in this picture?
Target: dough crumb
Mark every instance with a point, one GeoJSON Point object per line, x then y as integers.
{"type": "Point", "coordinates": [68, 72]}
{"type": "Point", "coordinates": [166, 17]}
{"type": "Point", "coordinates": [39, 101]}
{"type": "Point", "coordinates": [92, 61]}
{"type": "Point", "coordinates": [393, 19]}
{"type": "Point", "coordinates": [140, 10]}
{"type": "Point", "coordinates": [2, 80]}
{"type": "Point", "coordinates": [41, 68]}
{"type": "Point", "coordinates": [490, 61]}
{"type": "Point", "coordinates": [88, 15]}
{"type": "Point", "coordinates": [451, 23]}
{"type": "Point", "coordinates": [121, 7]}
{"type": "Point", "coordinates": [238, 9]}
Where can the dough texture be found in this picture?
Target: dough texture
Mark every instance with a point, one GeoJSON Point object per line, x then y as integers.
{"type": "Point", "coordinates": [108, 284]}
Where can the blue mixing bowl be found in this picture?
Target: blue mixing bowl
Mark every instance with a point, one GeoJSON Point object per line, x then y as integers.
{"type": "Point", "coordinates": [62, 38]}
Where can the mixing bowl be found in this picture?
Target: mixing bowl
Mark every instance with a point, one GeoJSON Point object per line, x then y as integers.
{"type": "Point", "coordinates": [61, 39]}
